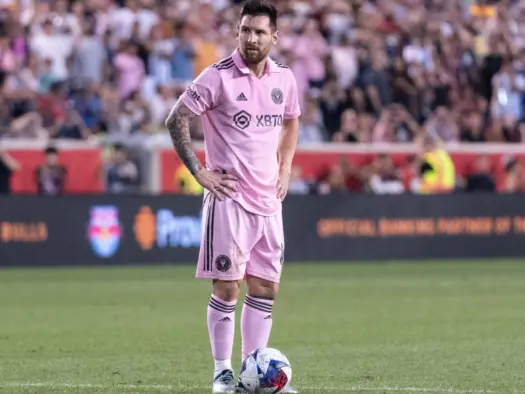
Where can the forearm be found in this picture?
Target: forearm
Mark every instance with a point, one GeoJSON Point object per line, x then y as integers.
{"type": "Point", "coordinates": [178, 125]}
{"type": "Point", "coordinates": [288, 142]}
{"type": "Point", "coordinates": [413, 125]}
{"type": "Point", "coordinates": [10, 162]}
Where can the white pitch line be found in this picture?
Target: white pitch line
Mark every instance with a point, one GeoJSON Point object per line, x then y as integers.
{"type": "Point", "coordinates": [167, 387]}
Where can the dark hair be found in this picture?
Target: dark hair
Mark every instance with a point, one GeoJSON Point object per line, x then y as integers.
{"type": "Point", "coordinates": [180, 26]}
{"type": "Point", "coordinates": [258, 8]}
{"type": "Point", "coordinates": [51, 150]}
{"type": "Point", "coordinates": [118, 147]}
{"type": "Point", "coordinates": [511, 165]}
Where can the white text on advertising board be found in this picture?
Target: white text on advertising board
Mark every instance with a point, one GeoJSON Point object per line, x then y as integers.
{"type": "Point", "coordinates": [177, 231]}
{"type": "Point", "coordinates": [165, 229]}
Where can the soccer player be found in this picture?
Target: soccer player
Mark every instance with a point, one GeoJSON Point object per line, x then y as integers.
{"type": "Point", "coordinates": [249, 108]}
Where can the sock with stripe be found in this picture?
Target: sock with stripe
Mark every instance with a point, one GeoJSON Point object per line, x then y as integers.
{"type": "Point", "coordinates": [221, 327]}
{"type": "Point", "coordinates": [256, 323]}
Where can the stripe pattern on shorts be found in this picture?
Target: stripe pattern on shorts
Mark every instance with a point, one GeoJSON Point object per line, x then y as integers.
{"type": "Point", "coordinates": [208, 246]}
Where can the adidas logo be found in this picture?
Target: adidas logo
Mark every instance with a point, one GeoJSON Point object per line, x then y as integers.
{"type": "Point", "coordinates": [225, 319]}
{"type": "Point", "coordinates": [268, 317]}
{"type": "Point", "coordinates": [241, 97]}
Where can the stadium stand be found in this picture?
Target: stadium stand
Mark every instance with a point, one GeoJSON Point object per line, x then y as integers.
{"type": "Point", "coordinates": [374, 77]}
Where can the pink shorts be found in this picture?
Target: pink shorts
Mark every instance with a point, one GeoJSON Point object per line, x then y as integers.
{"type": "Point", "coordinates": [236, 242]}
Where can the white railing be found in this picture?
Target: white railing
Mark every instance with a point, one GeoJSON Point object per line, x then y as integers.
{"type": "Point", "coordinates": [160, 142]}
{"type": "Point", "coordinates": [31, 144]}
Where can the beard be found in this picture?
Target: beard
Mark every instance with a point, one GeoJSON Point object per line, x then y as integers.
{"type": "Point", "coordinates": [255, 56]}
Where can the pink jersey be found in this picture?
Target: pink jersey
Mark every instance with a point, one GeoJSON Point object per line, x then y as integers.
{"type": "Point", "coordinates": [242, 117]}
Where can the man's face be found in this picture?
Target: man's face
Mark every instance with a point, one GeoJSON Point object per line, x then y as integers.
{"type": "Point", "coordinates": [51, 159]}
{"type": "Point", "coordinates": [119, 156]}
{"type": "Point", "coordinates": [255, 38]}
{"type": "Point", "coordinates": [378, 61]}
{"type": "Point", "coordinates": [61, 6]}
{"type": "Point", "coordinates": [483, 164]}
{"type": "Point", "coordinates": [132, 50]}
{"type": "Point", "coordinates": [384, 163]}
{"type": "Point", "coordinates": [475, 122]}
{"type": "Point", "coordinates": [47, 28]}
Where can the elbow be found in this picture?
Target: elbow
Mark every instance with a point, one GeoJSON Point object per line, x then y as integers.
{"type": "Point", "coordinates": [170, 120]}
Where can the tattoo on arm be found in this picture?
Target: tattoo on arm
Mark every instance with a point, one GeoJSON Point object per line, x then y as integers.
{"type": "Point", "coordinates": [178, 125]}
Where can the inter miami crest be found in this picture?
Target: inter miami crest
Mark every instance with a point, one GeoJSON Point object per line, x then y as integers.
{"type": "Point", "coordinates": [223, 263]}
{"type": "Point", "coordinates": [277, 96]}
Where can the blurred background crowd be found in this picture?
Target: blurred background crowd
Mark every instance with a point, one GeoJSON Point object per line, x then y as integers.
{"type": "Point", "coordinates": [368, 71]}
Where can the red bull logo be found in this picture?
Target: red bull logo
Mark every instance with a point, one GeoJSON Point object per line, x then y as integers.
{"type": "Point", "coordinates": [104, 230]}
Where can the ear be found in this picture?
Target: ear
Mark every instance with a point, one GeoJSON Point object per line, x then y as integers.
{"type": "Point", "coordinates": [275, 37]}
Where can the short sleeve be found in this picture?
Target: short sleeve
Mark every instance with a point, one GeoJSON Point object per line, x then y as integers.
{"type": "Point", "coordinates": [292, 109]}
{"type": "Point", "coordinates": [203, 92]}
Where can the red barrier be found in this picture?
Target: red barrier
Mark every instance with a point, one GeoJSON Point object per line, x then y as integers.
{"type": "Point", "coordinates": [169, 163]}
{"type": "Point", "coordinates": [316, 164]}
{"type": "Point", "coordinates": [84, 162]}
{"type": "Point", "coordinates": [83, 170]}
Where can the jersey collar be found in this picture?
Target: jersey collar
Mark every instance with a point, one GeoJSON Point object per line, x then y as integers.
{"type": "Point", "coordinates": [271, 67]}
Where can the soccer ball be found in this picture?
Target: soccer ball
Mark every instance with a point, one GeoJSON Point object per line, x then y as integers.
{"type": "Point", "coordinates": [265, 370]}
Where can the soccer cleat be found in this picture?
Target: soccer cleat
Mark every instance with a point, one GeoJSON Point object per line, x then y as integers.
{"type": "Point", "coordinates": [224, 382]}
{"type": "Point", "coordinates": [290, 390]}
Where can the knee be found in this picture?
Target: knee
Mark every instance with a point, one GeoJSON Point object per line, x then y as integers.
{"type": "Point", "coordinates": [226, 290]}
{"type": "Point", "coordinates": [258, 287]}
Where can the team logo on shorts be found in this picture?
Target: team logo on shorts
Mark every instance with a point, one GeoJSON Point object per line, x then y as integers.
{"type": "Point", "coordinates": [223, 263]}
{"type": "Point", "coordinates": [242, 119]}
{"type": "Point", "coordinates": [277, 96]}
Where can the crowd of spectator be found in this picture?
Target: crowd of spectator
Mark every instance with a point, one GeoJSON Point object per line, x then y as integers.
{"type": "Point", "coordinates": [367, 70]}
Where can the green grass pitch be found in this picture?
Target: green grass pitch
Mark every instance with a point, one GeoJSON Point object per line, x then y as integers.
{"type": "Point", "coordinates": [451, 327]}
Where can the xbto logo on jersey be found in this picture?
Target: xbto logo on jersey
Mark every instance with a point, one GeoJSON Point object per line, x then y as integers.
{"type": "Point", "coordinates": [243, 119]}
{"type": "Point", "coordinates": [269, 120]}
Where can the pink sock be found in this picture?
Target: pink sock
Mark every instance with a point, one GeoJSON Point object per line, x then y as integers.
{"type": "Point", "coordinates": [221, 327]}
{"type": "Point", "coordinates": [256, 323]}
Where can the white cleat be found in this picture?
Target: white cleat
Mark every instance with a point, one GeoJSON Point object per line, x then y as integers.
{"type": "Point", "coordinates": [224, 382]}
